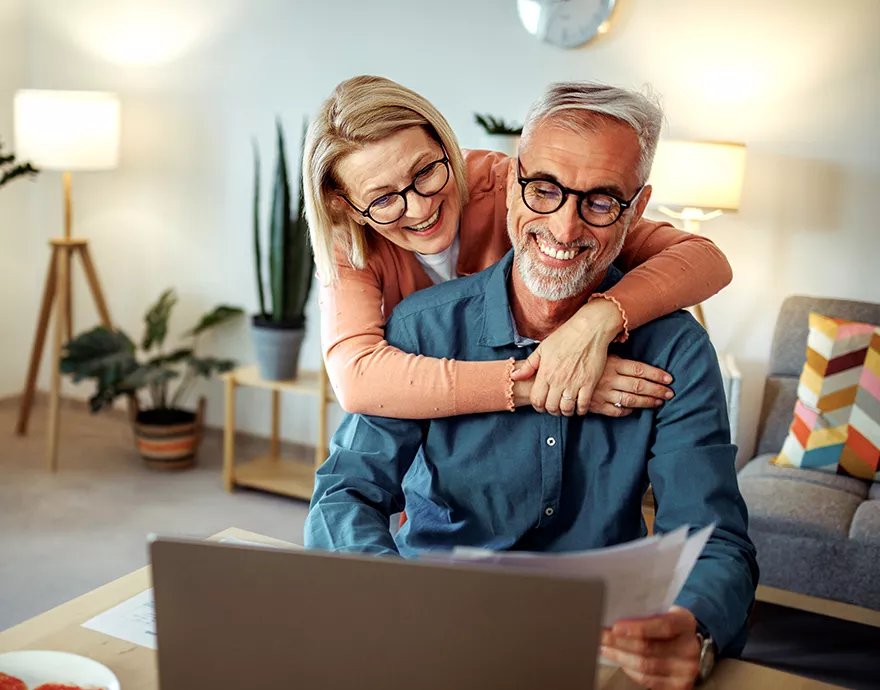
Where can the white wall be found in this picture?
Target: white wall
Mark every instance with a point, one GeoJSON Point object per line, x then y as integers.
{"type": "Point", "coordinates": [22, 258]}
{"type": "Point", "coordinates": [797, 80]}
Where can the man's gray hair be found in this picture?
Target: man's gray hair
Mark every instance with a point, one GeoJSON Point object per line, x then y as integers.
{"type": "Point", "coordinates": [578, 105]}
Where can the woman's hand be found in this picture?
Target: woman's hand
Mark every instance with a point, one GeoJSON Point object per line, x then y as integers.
{"type": "Point", "coordinates": [625, 385]}
{"type": "Point", "coordinates": [572, 375]}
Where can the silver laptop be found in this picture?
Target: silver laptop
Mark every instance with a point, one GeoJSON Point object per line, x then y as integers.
{"type": "Point", "coordinates": [242, 617]}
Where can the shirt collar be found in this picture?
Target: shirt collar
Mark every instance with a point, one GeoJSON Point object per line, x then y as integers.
{"type": "Point", "coordinates": [499, 328]}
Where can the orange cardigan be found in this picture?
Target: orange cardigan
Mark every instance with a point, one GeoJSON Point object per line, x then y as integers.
{"type": "Point", "coordinates": [668, 269]}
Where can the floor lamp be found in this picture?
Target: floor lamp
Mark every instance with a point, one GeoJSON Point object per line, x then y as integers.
{"type": "Point", "coordinates": [702, 179]}
{"type": "Point", "coordinates": [67, 131]}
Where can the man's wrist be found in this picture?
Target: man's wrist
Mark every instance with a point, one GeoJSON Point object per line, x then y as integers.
{"type": "Point", "coordinates": [708, 653]}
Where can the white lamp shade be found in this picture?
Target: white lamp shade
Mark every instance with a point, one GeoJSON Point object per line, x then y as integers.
{"type": "Point", "coordinates": [67, 130]}
{"type": "Point", "coordinates": [697, 174]}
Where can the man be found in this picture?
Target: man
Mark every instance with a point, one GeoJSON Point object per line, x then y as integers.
{"type": "Point", "coordinates": [552, 483]}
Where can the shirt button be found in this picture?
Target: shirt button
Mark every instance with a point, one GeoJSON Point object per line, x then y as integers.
{"type": "Point", "coordinates": [551, 441]}
{"type": "Point", "coordinates": [548, 511]}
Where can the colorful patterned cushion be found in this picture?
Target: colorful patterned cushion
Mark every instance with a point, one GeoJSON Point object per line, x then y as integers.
{"type": "Point", "coordinates": [836, 424]}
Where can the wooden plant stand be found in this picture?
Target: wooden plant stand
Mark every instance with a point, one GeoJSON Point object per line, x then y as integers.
{"type": "Point", "coordinates": [272, 472]}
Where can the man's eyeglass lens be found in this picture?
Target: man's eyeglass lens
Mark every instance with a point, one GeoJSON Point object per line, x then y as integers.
{"type": "Point", "coordinates": [543, 196]}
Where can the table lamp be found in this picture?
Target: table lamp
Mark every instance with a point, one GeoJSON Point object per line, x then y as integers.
{"type": "Point", "coordinates": [67, 131]}
{"type": "Point", "coordinates": [700, 178]}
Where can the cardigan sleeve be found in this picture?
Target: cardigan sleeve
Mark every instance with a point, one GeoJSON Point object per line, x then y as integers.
{"type": "Point", "coordinates": [369, 376]}
{"type": "Point", "coordinates": [666, 269]}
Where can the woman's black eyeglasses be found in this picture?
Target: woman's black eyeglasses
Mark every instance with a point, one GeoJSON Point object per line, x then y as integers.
{"type": "Point", "coordinates": [597, 208]}
{"type": "Point", "coordinates": [390, 208]}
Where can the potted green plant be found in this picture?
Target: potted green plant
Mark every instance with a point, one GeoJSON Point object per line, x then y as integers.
{"type": "Point", "coordinates": [279, 327]}
{"type": "Point", "coordinates": [9, 169]}
{"type": "Point", "coordinates": [167, 433]}
{"type": "Point", "coordinates": [498, 135]}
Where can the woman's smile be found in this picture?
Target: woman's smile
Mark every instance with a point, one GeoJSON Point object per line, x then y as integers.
{"type": "Point", "coordinates": [427, 227]}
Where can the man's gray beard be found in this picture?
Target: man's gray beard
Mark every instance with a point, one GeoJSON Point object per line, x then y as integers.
{"type": "Point", "coordinates": [554, 284]}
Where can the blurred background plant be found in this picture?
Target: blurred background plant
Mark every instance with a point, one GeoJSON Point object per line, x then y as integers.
{"type": "Point", "coordinates": [494, 125]}
{"type": "Point", "coordinates": [10, 169]}
{"type": "Point", "coordinates": [109, 358]}
{"type": "Point", "coordinates": [288, 252]}
{"type": "Point", "coordinates": [498, 135]}
{"type": "Point", "coordinates": [279, 327]}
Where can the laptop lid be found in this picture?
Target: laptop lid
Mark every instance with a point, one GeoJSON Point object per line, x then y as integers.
{"type": "Point", "coordinates": [232, 616]}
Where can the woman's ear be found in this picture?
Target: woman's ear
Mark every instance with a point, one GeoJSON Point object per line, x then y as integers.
{"type": "Point", "coordinates": [341, 209]}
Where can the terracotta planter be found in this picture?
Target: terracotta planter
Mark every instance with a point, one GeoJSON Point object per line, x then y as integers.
{"type": "Point", "coordinates": [168, 439]}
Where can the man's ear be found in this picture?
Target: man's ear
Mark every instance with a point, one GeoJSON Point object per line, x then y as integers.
{"type": "Point", "coordinates": [642, 203]}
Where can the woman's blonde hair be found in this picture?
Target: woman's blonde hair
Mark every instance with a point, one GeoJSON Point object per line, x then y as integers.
{"type": "Point", "coordinates": [360, 111]}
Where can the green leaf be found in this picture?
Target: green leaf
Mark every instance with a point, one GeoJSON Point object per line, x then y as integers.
{"type": "Point", "coordinates": [301, 263]}
{"type": "Point", "coordinates": [147, 375]}
{"type": "Point", "coordinates": [493, 125]}
{"type": "Point", "coordinates": [214, 318]}
{"type": "Point", "coordinates": [206, 367]}
{"type": "Point", "coordinates": [9, 169]}
{"type": "Point", "coordinates": [157, 320]}
{"type": "Point", "coordinates": [104, 356]}
{"type": "Point", "coordinates": [258, 253]}
{"type": "Point", "coordinates": [279, 232]}
{"type": "Point", "coordinates": [175, 357]}
{"type": "Point", "coordinates": [99, 354]}
{"type": "Point", "coordinates": [104, 397]}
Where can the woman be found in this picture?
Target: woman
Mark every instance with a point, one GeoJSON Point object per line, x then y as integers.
{"type": "Point", "coordinates": [394, 206]}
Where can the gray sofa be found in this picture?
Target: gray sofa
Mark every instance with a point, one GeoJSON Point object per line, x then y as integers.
{"type": "Point", "coordinates": [817, 534]}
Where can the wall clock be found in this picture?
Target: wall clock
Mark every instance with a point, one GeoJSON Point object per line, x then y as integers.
{"type": "Point", "coordinates": [565, 23]}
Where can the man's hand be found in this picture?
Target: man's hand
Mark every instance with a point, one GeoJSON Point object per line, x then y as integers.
{"type": "Point", "coordinates": [661, 653]}
{"type": "Point", "coordinates": [567, 365]}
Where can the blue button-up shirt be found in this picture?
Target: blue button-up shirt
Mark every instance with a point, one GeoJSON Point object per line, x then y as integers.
{"type": "Point", "coordinates": [525, 480]}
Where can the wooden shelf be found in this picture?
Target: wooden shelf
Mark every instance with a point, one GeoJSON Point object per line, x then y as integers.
{"type": "Point", "coordinates": [273, 473]}
{"type": "Point", "coordinates": [307, 383]}
{"type": "Point", "coordinates": [280, 476]}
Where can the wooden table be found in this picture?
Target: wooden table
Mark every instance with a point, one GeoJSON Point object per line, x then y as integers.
{"type": "Point", "coordinates": [61, 629]}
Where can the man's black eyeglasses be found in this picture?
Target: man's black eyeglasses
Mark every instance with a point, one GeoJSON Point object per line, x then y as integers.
{"type": "Point", "coordinates": [390, 208]}
{"type": "Point", "coordinates": [597, 208]}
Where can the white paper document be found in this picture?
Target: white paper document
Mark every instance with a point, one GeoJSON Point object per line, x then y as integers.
{"type": "Point", "coordinates": [134, 620]}
{"type": "Point", "coordinates": [642, 578]}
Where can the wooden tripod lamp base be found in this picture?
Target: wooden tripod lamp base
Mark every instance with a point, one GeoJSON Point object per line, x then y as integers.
{"type": "Point", "coordinates": [64, 131]}
{"type": "Point", "coordinates": [58, 294]}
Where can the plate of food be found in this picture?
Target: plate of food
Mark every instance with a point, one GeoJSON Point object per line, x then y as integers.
{"type": "Point", "coordinates": [38, 670]}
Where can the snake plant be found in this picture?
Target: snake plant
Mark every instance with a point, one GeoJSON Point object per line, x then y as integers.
{"type": "Point", "coordinates": [288, 252]}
